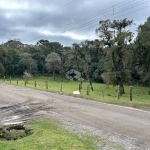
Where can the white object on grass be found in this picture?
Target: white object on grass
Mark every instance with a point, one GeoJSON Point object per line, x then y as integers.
{"type": "Point", "coordinates": [76, 92]}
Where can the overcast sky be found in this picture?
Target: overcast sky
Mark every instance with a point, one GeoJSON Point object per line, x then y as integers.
{"type": "Point", "coordinates": [64, 21]}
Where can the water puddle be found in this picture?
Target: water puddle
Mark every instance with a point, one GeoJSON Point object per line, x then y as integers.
{"type": "Point", "coordinates": [10, 120]}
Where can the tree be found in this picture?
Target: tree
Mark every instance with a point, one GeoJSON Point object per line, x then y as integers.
{"type": "Point", "coordinates": [83, 59]}
{"type": "Point", "coordinates": [97, 54]}
{"type": "Point", "coordinates": [26, 63]}
{"type": "Point", "coordinates": [65, 63]}
{"type": "Point", "coordinates": [47, 47]}
{"type": "Point", "coordinates": [53, 62]}
{"type": "Point", "coordinates": [3, 59]}
{"type": "Point", "coordinates": [38, 55]}
{"type": "Point", "coordinates": [27, 76]}
{"type": "Point", "coordinates": [11, 62]}
{"type": "Point", "coordinates": [142, 51]}
{"type": "Point", "coordinates": [117, 42]}
{"type": "Point", "coordinates": [15, 45]}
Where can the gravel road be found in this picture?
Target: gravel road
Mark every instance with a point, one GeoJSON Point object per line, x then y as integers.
{"type": "Point", "coordinates": [128, 127]}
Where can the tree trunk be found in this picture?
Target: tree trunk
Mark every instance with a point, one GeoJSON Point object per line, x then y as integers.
{"type": "Point", "coordinates": [91, 85]}
{"type": "Point", "coordinates": [118, 92]}
{"type": "Point", "coordinates": [62, 77]}
{"type": "Point", "coordinates": [130, 93]}
{"type": "Point", "coordinates": [122, 91]}
{"type": "Point", "coordinates": [53, 74]}
{"type": "Point", "coordinates": [81, 84]}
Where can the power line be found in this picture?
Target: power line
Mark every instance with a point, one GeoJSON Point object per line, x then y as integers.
{"type": "Point", "coordinates": [123, 15]}
{"type": "Point", "coordinates": [76, 27]}
{"type": "Point", "coordinates": [30, 12]}
{"type": "Point", "coordinates": [93, 15]}
{"type": "Point", "coordinates": [120, 16]}
{"type": "Point", "coordinates": [84, 24]}
{"type": "Point", "coordinates": [126, 8]}
{"type": "Point", "coordinates": [47, 1]}
{"type": "Point", "coordinates": [51, 12]}
{"type": "Point", "coordinates": [91, 21]}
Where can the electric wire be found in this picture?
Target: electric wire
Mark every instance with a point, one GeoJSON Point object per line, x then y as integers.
{"type": "Point", "coordinates": [30, 12]}
{"type": "Point", "coordinates": [76, 27]}
{"type": "Point", "coordinates": [103, 11]}
{"type": "Point", "coordinates": [56, 10]}
{"type": "Point", "coordinates": [50, 12]}
{"type": "Point", "coordinates": [45, 15]}
{"type": "Point", "coordinates": [91, 21]}
{"type": "Point", "coordinates": [94, 15]}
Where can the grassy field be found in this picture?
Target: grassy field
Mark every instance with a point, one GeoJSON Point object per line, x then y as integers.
{"type": "Point", "coordinates": [141, 99]}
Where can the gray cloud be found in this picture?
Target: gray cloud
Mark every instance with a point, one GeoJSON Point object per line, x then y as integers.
{"type": "Point", "coordinates": [31, 21]}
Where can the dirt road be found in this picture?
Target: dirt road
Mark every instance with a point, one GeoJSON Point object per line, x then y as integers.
{"type": "Point", "coordinates": [127, 126]}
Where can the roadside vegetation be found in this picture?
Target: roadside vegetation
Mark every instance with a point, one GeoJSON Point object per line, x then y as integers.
{"type": "Point", "coordinates": [49, 134]}
{"type": "Point", "coordinates": [117, 57]}
{"type": "Point", "coordinates": [101, 93]}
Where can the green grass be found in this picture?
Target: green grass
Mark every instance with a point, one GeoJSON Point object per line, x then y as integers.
{"type": "Point", "coordinates": [48, 135]}
{"type": "Point", "coordinates": [141, 99]}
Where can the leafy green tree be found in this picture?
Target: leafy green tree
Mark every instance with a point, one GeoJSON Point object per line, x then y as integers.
{"type": "Point", "coordinates": [38, 55]}
{"type": "Point", "coordinates": [3, 59]}
{"type": "Point", "coordinates": [47, 47]}
{"type": "Point", "coordinates": [53, 62]}
{"type": "Point", "coordinates": [11, 62]}
{"type": "Point", "coordinates": [142, 52]}
{"type": "Point", "coordinates": [83, 59]}
{"type": "Point", "coordinates": [97, 69]}
{"type": "Point", "coordinates": [97, 54]}
{"type": "Point", "coordinates": [15, 44]}
{"type": "Point", "coordinates": [117, 42]}
{"type": "Point", "coordinates": [27, 76]}
{"type": "Point", "coordinates": [2, 69]}
{"type": "Point", "coordinates": [26, 63]}
{"type": "Point", "coordinates": [65, 63]}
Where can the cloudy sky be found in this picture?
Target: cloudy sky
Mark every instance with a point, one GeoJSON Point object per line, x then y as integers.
{"type": "Point", "coordinates": [64, 21]}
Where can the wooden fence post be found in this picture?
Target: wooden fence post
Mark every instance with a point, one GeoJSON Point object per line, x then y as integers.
{"type": "Point", "coordinates": [46, 84]}
{"type": "Point", "coordinates": [102, 91]}
{"type": "Point", "coordinates": [130, 93]}
{"type": "Point", "coordinates": [4, 78]}
{"type": "Point", "coordinates": [17, 81]}
{"type": "Point", "coordinates": [35, 83]}
{"type": "Point", "coordinates": [87, 89]}
{"type": "Point", "coordinates": [80, 87]}
{"type": "Point", "coordinates": [80, 84]}
{"type": "Point", "coordinates": [25, 82]}
{"type": "Point", "coordinates": [118, 91]}
{"type": "Point", "coordinates": [60, 86]}
{"type": "Point", "coordinates": [10, 79]}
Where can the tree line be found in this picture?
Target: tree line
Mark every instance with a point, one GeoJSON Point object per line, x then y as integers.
{"type": "Point", "coordinates": [117, 57]}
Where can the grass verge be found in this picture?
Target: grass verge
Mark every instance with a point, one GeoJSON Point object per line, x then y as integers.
{"type": "Point", "coordinates": [48, 135]}
{"type": "Point", "coordinates": [141, 99]}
